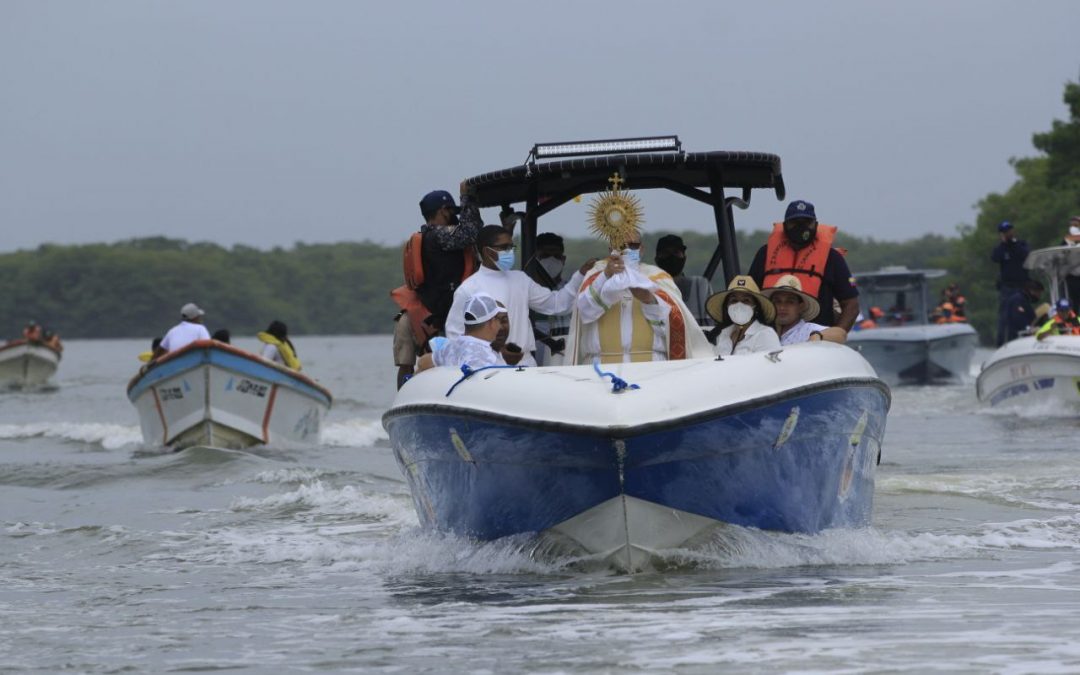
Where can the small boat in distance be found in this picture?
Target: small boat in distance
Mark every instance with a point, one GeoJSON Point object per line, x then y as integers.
{"type": "Point", "coordinates": [25, 364]}
{"type": "Point", "coordinates": [212, 394]}
{"type": "Point", "coordinates": [1027, 371]}
{"type": "Point", "coordinates": [905, 348]}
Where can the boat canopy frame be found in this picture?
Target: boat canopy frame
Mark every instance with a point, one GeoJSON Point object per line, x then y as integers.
{"type": "Point", "coordinates": [1055, 263]}
{"type": "Point", "coordinates": [543, 186]}
{"type": "Point", "coordinates": [899, 279]}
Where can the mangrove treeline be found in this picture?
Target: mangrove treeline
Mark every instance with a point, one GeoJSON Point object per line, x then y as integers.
{"type": "Point", "coordinates": [135, 288]}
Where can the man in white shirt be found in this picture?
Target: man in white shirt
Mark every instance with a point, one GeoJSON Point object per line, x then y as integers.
{"type": "Point", "coordinates": [482, 317]}
{"type": "Point", "coordinates": [189, 330]}
{"type": "Point", "coordinates": [793, 309]}
{"type": "Point", "coordinates": [513, 288]}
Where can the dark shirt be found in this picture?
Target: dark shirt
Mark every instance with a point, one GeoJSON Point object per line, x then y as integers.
{"type": "Point", "coordinates": [461, 236]}
{"type": "Point", "coordinates": [443, 261]}
{"type": "Point", "coordinates": [1018, 314]}
{"type": "Point", "coordinates": [1010, 255]}
{"type": "Point", "coordinates": [837, 283]}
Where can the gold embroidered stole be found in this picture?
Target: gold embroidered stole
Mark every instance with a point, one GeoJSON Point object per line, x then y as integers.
{"type": "Point", "coordinates": [609, 327]}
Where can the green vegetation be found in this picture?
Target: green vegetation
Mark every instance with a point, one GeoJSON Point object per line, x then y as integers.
{"type": "Point", "coordinates": [136, 288]}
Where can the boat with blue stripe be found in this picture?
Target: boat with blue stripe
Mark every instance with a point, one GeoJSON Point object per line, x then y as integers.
{"type": "Point", "coordinates": [630, 463]}
{"type": "Point", "coordinates": [212, 394]}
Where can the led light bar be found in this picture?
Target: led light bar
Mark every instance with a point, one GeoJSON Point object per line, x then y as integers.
{"type": "Point", "coordinates": [609, 147]}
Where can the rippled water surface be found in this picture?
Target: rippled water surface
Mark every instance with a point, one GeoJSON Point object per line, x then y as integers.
{"type": "Point", "coordinates": [115, 556]}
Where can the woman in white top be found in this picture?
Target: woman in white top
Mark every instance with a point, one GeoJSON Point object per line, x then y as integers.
{"type": "Point", "coordinates": [746, 317]}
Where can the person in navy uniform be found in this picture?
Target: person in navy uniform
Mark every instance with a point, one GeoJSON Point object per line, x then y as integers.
{"type": "Point", "coordinates": [1009, 254]}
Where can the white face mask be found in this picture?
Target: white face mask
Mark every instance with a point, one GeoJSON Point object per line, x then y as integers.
{"type": "Point", "coordinates": [740, 312]}
{"type": "Point", "coordinates": [553, 266]}
{"type": "Point", "coordinates": [631, 257]}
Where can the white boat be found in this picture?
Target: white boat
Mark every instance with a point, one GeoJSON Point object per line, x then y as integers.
{"type": "Point", "coordinates": [1028, 372]}
{"type": "Point", "coordinates": [27, 364]}
{"type": "Point", "coordinates": [212, 394]}
{"type": "Point", "coordinates": [905, 347]}
{"type": "Point", "coordinates": [631, 463]}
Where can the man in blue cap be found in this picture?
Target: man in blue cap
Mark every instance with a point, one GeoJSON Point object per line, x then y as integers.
{"type": "Point", "coordinates": [437, 259]}
{"type": "Point", "coordinates": [1009, 254]}
{"type": "Point", "coordinates": [802, 247]}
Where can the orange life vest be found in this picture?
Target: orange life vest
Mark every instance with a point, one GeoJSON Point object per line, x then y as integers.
{"type": "Point", "coordinates": [867, 323]}
{"type": "Point", "coordinates": [413, 261]}
{"type": "Point", "coordinates": [406, 296]}
{"type": "Point", "coordinates": [807, 263]}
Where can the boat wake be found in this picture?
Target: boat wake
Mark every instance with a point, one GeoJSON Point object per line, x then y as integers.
{"type": "Point", "coordinates": [107, 436]}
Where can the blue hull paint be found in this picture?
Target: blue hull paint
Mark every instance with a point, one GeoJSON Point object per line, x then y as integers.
{"type": "Point", "coordinates": [487, 478]}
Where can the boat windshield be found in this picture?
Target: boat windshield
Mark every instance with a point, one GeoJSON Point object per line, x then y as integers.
{"type": "Point", "coordinates": [901, 294]}
{"type": "Point", "coordinates": [1061, 267]}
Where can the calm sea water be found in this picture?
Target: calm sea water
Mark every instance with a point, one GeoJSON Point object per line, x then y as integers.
{"type": "Point", "coordinates": [118, 557]}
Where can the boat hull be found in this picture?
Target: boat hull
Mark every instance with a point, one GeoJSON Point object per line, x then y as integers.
{"type": "Point", "coordinates": [918, 354]}
{"type": "Point", "coordinates": [26, 365]}
{"type": "Point", "coordinates": [211, 395]}
{"type": "Point", "coordinates": [799, 460]}
{"type": "Point", "coordinates": [1027, 372]}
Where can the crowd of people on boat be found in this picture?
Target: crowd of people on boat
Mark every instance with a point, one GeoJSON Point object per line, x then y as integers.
{"type": "Point", "coordinates": [35, 333]}
{"type": "Point", "coordinates": [1018, 293]}
{"type": "Point", "coordinates": [463, 302]}
{"type": "Point", "coordinates": [276, 347]}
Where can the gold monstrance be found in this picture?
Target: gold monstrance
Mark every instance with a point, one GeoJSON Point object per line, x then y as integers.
{"type": "Point", "coordinates": [615, 215]}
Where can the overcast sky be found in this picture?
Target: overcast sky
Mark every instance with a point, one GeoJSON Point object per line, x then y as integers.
{"type": "Point", "coordinates": [269, 122]}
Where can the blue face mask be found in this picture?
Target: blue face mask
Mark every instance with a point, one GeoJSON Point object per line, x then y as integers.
{"type": "Point", "coordinates": [632, 256]}
{"type": "Point", "coordinates": [506, 260]}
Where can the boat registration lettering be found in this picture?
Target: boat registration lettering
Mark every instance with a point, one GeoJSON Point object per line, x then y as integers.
{"type": "Point", "coordinates": [253, 388]}
{"type": "Point", "coordinates": [170, 393]}
{"type": "Point", "coordinates": [1020, 371]}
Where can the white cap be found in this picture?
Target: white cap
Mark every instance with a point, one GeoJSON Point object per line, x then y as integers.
{"type": "Point", "coordinates": [480, 308]}
{"type": "Point", "coordinates": [191, 311]}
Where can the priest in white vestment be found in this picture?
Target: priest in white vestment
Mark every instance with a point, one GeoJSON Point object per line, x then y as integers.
{"type": "Point", "coordinates": [630, 311]}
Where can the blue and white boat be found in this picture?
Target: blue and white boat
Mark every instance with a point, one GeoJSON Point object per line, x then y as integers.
{"type": "Point", "coordinates": [1027, 372]}
{"type": "Point", "coordinates": [213, 394]}
{"type": "Point", "coordinates": [906, 348]}
{"type": "Point", "coordinates": [787, 440]}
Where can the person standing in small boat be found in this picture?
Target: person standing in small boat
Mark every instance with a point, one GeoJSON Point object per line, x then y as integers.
{"type": "Point", "coordinates": [483, 318]}
{"type": "Point", "coordinates": [794, 311]}
{"type": "Point", "coordinates": [1009, 254]}
{"type": "Point", "coordinates": [277, 346]}
{"type": "Point", "coordinates": [1019, 309]}
{"type": "Point", "coordinates": [437, 260]}
{"type": "Point", "coordinates": [189, 330]}
{"type": "Point", "coordinates": [513, 288]}
{"type": "Point", "coordinates": [745, 318]}
{"type": "Point", "coordinates": [803, 247]}
{"type": "Point", "coordinates": [32, 332]}
{"type": "Point", "coordinates": [547, 270]}
{"type": "Point", "coordinates": [695, 290]}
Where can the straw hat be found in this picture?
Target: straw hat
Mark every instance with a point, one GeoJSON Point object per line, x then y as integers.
{"type": "Point", "coordinates": [789, 283]}
{"type": "Point", "coordinates": [715, 304]}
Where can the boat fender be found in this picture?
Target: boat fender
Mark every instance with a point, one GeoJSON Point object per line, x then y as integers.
{"type": "Point", "coordinates": [618, 385]}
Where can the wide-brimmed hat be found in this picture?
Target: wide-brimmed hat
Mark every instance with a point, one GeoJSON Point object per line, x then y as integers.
{"type": "Point", "coordinates": [715, 304]}
{"type": "Point", "coordinates": [789, 283]}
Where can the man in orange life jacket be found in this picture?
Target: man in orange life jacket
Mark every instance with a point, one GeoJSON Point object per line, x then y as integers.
{"type": "Point", "coordinates": [447, 256]}
{"type": "Point", "coordinates": [802, 247]}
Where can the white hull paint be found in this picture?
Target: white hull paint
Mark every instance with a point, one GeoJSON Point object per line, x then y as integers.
{"type": "Point", "coordinates": [27, 365]}
{"type": "Point", "coordinates": [918, 354]}
{"type": "Point", "coordinates": [1027, 372]}
{"type": "Point", "coordinates": [216, 398]}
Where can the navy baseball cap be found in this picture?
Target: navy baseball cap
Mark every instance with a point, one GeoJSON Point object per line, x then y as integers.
{"type": "Point", "coordinates": [1004, 225]}
{"type": "Point", "coordinates": [800, 209]}
{"type": "Point", "coordinates": [1063, 304]}
{"type": "Point", "coordinates": [670, 241]}
{"type": "Point", "coordinates": [435, 200]}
